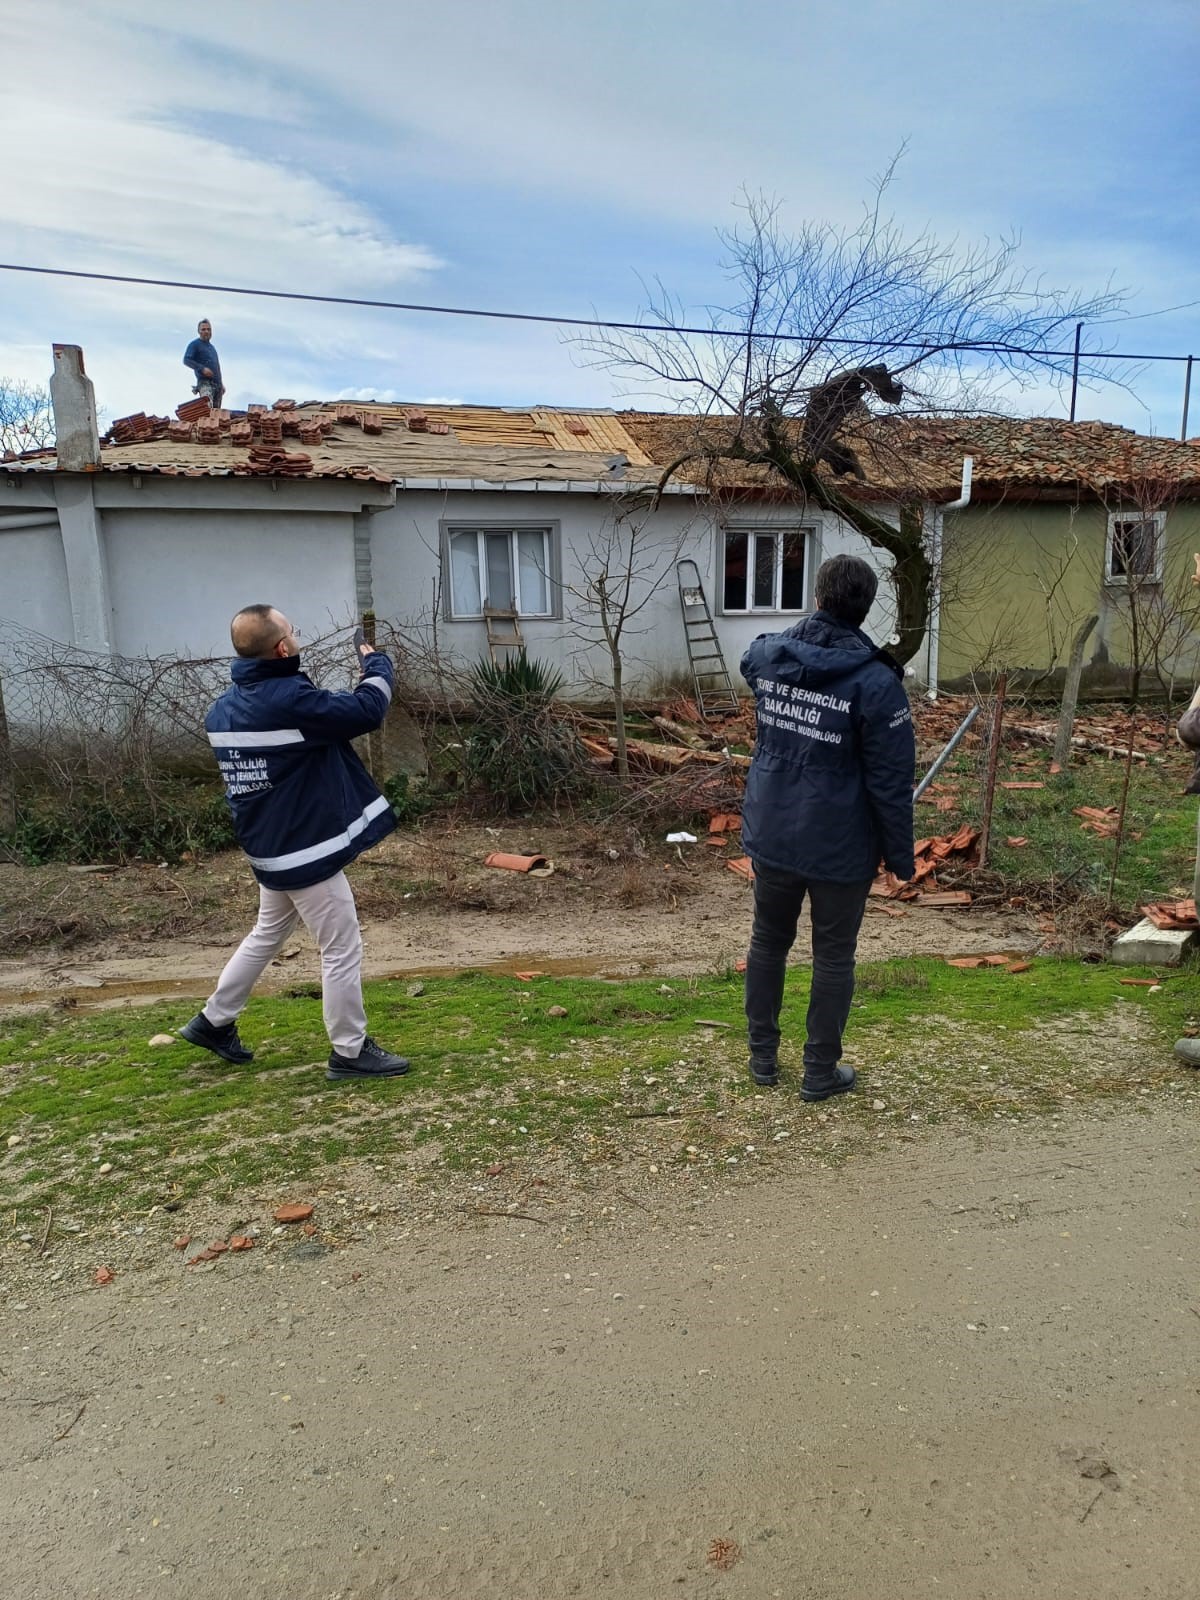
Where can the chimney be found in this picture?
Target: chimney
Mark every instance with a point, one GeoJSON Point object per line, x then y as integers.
{"type": "Point", "coordinates": [74, 401]}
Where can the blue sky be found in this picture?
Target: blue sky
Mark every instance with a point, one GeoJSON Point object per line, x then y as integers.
{"type": "Point", "coordinates": [522, 155]}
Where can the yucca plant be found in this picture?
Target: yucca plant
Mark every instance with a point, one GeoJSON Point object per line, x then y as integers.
{"type": "Point", "coordinates": [518, 752]}
{"type": "Point", "coordinates": [517, 679]}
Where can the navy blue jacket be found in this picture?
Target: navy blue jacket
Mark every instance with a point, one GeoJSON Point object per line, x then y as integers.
{"type": "Point", "coordinates": [200, 354]}
{"type": "Point", "coordinates": [829, 792]}
{"type": "Point", "coordinates": [303, 804]}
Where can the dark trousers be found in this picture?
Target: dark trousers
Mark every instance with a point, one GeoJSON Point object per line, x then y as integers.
{"type": "Point", "coordinates": [836, 910]}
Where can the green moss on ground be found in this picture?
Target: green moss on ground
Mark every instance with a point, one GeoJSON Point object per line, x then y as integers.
{"type": "Point", "coordinates": [628, 1074]}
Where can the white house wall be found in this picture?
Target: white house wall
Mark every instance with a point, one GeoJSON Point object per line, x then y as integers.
{"type": "Point", "coordinates": [34, 595]}
{"type": "Point", "coordinates": [406, 556]}
{"type": "Point", "coordinates": [179, 555]}
{"type": "Point", "coordinates": [177, 576]}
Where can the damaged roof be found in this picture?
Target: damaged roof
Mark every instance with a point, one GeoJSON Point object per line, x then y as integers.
{"type": "Point", "coordinates": [372, 442]}
{"type": "Point", "coordinates": [900, 456]}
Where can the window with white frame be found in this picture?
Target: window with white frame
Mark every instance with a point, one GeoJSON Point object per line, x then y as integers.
{"type": "Point", "coordinates": [765, 569]}
{"type": "Point", "coordinates": [502, 569]}
{"type": "Point", "coordinates": [1133, 551]}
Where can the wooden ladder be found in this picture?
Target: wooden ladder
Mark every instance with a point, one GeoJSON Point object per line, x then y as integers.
{"type": "Point", "coordinates": [503, 630]}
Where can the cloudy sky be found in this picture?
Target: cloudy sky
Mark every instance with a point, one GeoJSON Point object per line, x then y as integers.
{"type": "Point", "coordinates": [515, 154]}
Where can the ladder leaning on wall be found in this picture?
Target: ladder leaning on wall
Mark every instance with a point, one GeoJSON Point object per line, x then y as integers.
{"type": "Point", "coordinates": [503, 630]}
{"type": "Point", "coordinates": [710, 676]}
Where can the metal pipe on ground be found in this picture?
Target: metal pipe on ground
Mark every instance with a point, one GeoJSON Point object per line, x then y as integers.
{"type": "Point", "coordinates": [951, 746]}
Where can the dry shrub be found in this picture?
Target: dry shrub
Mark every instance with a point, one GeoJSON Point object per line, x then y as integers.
{"type": "Point", "coordinates": [648, 883]}
{"type": "Point", "coordinates": [27, 930]}
{"type": "Point", "coordinates": [685, 798]}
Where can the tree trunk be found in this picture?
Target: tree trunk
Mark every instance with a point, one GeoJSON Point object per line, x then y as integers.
{"type": "Point", "coordinates": [375, 737]}
{"type": "Point", "coordinates": [618, 693]}
{"type": "Point", "coordinates": [1070, 699]}
{"type": "Point", "coordinates": [912, 571]}
{"type": "Point", "coordinates": [8, 776]}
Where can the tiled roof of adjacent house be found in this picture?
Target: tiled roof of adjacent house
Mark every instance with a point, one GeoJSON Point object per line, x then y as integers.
{"type": "Point", "coordinates": [1038, 457]}
{"type": "Point", "coordinates": [900, 455]}
{"type": "Point", "coordinates": [1015, 455]}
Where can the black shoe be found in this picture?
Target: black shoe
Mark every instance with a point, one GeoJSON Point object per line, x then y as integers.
{"type": "Point", "coordinates": [820, 1085]}
{"type": "Point", "coordinates": [370, 1062]}
{"type": "Point", "coordinates": [764, 1072]}
{"type": "Point", "coordinates": [223, 1042]}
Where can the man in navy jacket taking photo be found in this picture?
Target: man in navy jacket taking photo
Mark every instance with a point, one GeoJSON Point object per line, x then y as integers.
{"type": "Point", "coordinates": [303, 807]}
{"type": "Point", "coordinates": [829, 794]}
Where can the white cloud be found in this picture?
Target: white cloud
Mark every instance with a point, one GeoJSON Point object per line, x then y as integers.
{"type": "Point", "coordinates": [257, 144]}
{"type": "Point", "coordinates": [106, 180]}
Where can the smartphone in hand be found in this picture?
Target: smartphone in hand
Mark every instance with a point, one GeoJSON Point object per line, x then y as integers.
{"type": "Point", "coordinates": [360, 644]}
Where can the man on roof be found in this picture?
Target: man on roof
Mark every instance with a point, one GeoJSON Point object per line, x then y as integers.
{"type": "Point", "coordinates": [201, 357]}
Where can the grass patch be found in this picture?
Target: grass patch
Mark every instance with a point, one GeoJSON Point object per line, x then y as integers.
{"type": "Point", "coordinates": [626, 1076]}
{"type": "Point", "coordinates": [1157, 854]}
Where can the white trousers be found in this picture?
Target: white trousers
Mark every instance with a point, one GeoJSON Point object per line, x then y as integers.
{"type": "Point", "coordinates": [327, 911]}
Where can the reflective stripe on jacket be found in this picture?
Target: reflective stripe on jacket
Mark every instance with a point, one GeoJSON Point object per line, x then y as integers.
{"type": "Point", "coordinates": [303, 804]}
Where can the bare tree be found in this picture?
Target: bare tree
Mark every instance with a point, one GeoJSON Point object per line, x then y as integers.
{"type": "Point", "coordinates": [828, 326]}
{"type": "Point", "coordinates": [623, 569]}
{"type": "Point", "coordinates": [26, 419]}
{"type": "Point", "coordinates": [1157, 599]}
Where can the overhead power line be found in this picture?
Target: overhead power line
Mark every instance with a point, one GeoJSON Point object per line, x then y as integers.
{"type": "Point", "coordinates": [985, 347]}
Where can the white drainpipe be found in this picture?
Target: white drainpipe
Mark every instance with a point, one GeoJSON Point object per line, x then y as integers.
{"type": "Point", "coordinates": [935, 606]}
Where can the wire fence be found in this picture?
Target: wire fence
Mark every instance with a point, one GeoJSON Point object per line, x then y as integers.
{"type": "Point", "coordinates": [72, 712]}
{"type": "Point", "coordinates": [106, 757]}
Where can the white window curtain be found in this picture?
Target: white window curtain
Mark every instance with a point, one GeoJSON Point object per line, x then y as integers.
{"type": "Point", "coordinates": [765, 569]}
{"type": "Point", "coordinates": [533, 558]}
{"type": "Point", "coordinates": [465, 597]}
{"type": "Point", "coordinates": [500, 567]}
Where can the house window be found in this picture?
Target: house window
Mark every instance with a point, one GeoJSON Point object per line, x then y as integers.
{"type": "Point", "coordinates": [1133, 552]}
{"type": "Point", "coordinates": [503, 569]}
{"type": "Point", "coordinates": [765, 569]}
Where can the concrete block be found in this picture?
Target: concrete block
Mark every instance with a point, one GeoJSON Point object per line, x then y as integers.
{"type": "Point", "coordinates": [1147, 946]}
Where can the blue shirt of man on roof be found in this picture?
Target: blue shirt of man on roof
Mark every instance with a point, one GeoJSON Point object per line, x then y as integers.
{"type": "Point", "coordinates": [202, 359]}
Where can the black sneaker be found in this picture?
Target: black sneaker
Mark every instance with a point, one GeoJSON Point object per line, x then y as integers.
{"type": "Point", "coordinates": [818, 1085]}
{"type": "Point", "coordinates": [764, 1072]}
{"type": "Point", "coordinates": [223, 1042]}
{"type": "Point", "coordinates": [370, 1062]}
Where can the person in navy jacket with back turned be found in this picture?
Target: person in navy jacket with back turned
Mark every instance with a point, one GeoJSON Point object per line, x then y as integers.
{"type": "Point", "coordinates": [828, 795]}
{"type": "Point", "coordinates": [303, 807]}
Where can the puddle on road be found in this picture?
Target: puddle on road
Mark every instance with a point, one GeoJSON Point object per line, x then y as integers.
{"type": "Point", "coordinates": [93, 995]}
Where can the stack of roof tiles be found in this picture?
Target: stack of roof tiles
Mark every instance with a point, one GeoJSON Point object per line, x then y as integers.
{"type": "Point", "coordinates": [190, 410]}
{"type": "Point", "coordinates": [278, 463]}
{"type": "Point", "coordinates": [138, 428]}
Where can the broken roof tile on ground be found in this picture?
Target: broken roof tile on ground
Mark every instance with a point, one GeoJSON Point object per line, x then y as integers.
{"type": "Point", "coordinates": [922, 888]}
{"type": "Point", "coordinates": [1179, 915]}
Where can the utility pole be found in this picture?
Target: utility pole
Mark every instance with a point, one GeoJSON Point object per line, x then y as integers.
{"type": "Point", "coordinates": [1075, 371]}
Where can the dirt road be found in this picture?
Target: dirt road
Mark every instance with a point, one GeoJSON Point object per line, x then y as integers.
{"type": "Point", "coordinates": [428, 904]}
{"type": "Point", "coordinates": [965, 1369]}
